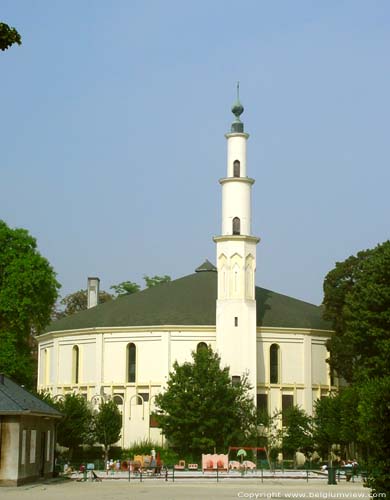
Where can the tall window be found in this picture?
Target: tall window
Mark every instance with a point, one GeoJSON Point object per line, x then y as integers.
{"type": "Point", "coordinates": [274, 354]}
{"type": "Point", "coordinates": [236, 225]}
{"type": "Point", "coordinates": [75, 364]}
{"type": "Point", "coordinates": [262, 403]}
{"type": "Point", "coordinates": [131, 362]}
{"type": "Point", "coordinates": [200, 346]}
{"type": "Point", "coordinates": [236, 169]}
{"type": "Point", "coordinates": [287, 403]}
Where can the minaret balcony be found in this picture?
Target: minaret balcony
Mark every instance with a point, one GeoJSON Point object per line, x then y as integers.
{"type": "Point", "coordinates": [245, 180]}
{"type": "Point", "coordinates": [236, 237]}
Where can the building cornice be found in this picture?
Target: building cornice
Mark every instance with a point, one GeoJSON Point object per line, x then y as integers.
{"type": "Point", "coordinates": [297, 331]}
{"type": "Point", "coordinates": [178, 328]}
{"type": "Point", "coordinates": [127, 329]}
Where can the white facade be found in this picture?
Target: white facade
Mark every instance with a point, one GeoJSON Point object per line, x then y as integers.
{"type": "Point", "coordinates": [132, 363]}
{"type": "Point", "coordinates": [303, 371]}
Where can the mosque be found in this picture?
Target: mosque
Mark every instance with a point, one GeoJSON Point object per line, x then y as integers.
{"type": "Point", "coordinates": [125, 348]}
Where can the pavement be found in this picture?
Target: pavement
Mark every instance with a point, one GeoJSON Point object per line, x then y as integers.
{"type": "Point", "coordinates": [188, 489]}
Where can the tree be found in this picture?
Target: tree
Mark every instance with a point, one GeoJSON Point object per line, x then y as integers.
{"type": "Point", "coordinates": [335, 423]}
{"type": "Point", "coordinates": [326, 424]}
{"type": "Point", "coordinates": [374, 424]}
{"type": "Point", "coordinates": [152, 281]}
{"type": "Point", "coordinates": [8, 36]}
{"type": "Point", "coordinates": [28, 291]}
{"type": "Point", "coordinates": [107, 425]}
{"type": "Point", "coordinates": [78, 301]}
{"type": "Point", "coordinates": [357, 301]}
{"type": "Point", "coordinates": [202, 409]}
{"type": "Point", "coordinates": [125, 288]}
{"type": "Point", "coordinates": [16, 360]}
{"type": "Point", "coordinates": [74, 428]}
{"type": "Point", "coordinates": [297, 434]}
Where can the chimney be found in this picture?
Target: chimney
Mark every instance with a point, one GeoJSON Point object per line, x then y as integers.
{"type": "Point", "coordinates": [93, 292]}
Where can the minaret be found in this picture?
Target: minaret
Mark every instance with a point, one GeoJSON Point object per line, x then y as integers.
{"type": "Point", "coordinates": [236, 261]}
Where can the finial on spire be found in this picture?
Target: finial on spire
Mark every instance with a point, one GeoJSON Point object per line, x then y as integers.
{"type": "Point", "coordinates": [237, 110]}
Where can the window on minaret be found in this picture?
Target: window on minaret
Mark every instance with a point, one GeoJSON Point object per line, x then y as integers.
{"type": "Point", "coordinates": [131, 362]}
{"type": "Point", "coordinates": [236, 321]}
{"type": "Point", "coordinates": [236, 169]}
{"type": "Point", "coordinates": [75, 364]}
{"type": "Point", "coordinates": [274, 354]}
{"type": "Point", "coordinates": [236, 225]}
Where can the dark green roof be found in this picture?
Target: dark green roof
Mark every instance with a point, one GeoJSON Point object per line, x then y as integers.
{"type": "Point", "coordinates": [190, 301]}
{"type": "Point", "coordinates": [15, 400]}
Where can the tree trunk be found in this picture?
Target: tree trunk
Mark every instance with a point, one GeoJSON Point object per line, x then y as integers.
{"type": "Point", "coordinates": [106, 450]}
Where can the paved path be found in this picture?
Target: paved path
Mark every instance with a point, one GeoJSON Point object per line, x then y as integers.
{"type": "Point", "coordinates": [187, 490]}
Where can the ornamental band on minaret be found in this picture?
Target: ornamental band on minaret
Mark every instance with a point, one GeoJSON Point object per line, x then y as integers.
{"type": "Point", "coordinates": [236, 261]}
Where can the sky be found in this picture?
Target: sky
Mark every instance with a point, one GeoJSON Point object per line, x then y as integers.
{"type": "Point", "coordinates": [113, 117]}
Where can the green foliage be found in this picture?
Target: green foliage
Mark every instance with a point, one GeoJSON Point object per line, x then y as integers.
{"type": "Point", "coordinates": [125, 288]}
{"type": "Point", "coordinates": [78, 301]}
{"type": "Point", "coordinates": [8, 36]}
{"type": "Point", "coordinates": [28, 291]}
{"type": "Point", "coordinates": [374, 424]}
{"type": "Point", "coordinates": [152, 281]}
{"type": "Point", "coordinates": [75, 427]}
{"type": "Point", "coordinates": [297, 434]}
{"type": "Point", "coordinates": [357, 301]}
{"type": "Point", "coordinates": [201, 408]}
{"type": "Point", "coordinates": [326, 424]}
{"type": "Point", "coordinates": [335, 421]}
{"type": "Point", "coordinates": [16, 360]}
{"type": "Point", "coordinates": [107, 425]}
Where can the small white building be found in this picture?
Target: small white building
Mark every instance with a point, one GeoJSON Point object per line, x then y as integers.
{"type": "Point", "coordinates": [125, 348]}
{"type": "Point", "coordinates": [27, 435]}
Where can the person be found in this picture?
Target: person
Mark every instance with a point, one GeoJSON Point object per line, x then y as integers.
{"type": "Point", "coordinates": [118, 465]}
{"type": "Point", "coordinates": [107, 466]}
{"type": "Point", "coordinates": [348, 470]}
{"type": "Point", "coordinates": [324, 467]}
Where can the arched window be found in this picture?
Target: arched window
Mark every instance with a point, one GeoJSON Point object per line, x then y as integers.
{"type": "Point", "coordinates": [131, 362]}
{"type": "Point", "coordinates": [236, 225]}
{"type": "Point", "coordinates": [75, 364]}
{"type": "Point", "coordinates": [236, 169]}
{"type": "Point", "coordinates": [274, 355]}
{"type": "Point", "coordinates": [200, 346]}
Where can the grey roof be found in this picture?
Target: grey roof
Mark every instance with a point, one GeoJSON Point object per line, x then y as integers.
{"type": "Point", "coordinates": [15, 400]}
{"type": "Point", "coordinates": [190, 301]}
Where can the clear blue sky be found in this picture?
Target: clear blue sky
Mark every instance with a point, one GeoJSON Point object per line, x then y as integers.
{"type": "Point", "coordinates": [113, 116]}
